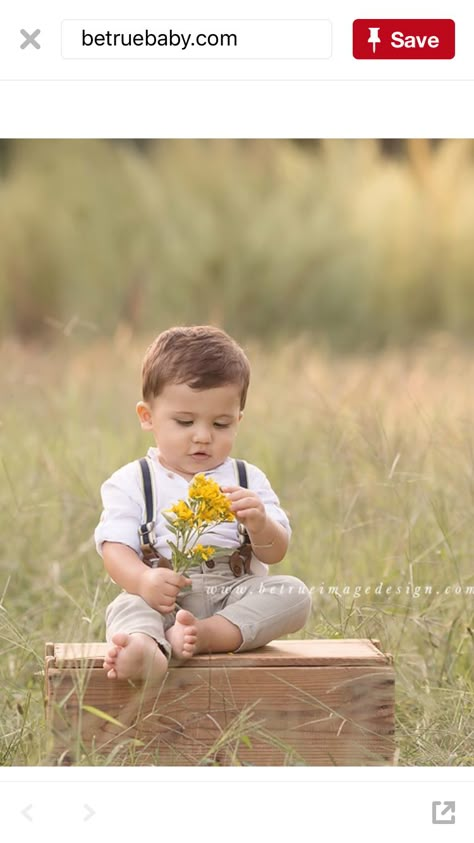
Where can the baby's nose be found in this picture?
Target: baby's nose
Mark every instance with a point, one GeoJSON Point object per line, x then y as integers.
{"type": "Point", "coordinates": [202, 435]}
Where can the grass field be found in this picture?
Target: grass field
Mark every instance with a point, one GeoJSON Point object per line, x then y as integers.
{"type": "Point", "coordinates": [373, 458]}
{"type": "Point", "coordinates": [272, 238]}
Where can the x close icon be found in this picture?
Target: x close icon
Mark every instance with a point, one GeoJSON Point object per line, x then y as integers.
{"type": "Point", "coordinates": [30, 39]}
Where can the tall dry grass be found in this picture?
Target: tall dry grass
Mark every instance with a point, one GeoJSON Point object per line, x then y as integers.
{"type": "Point", "coordinates": [270, 238]}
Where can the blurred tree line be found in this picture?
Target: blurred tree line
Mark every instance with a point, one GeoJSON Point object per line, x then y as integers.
{"type": "Point", "coordinates": [359, 242]}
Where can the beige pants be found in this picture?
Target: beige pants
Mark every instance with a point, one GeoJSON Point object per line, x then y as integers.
{"type": "Point", "coordinates": [263, 608]}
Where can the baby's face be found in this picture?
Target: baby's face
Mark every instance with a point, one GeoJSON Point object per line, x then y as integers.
{"type": "Point", "coordinates": [194, 430]}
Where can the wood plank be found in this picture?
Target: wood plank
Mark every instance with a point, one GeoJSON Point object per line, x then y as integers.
{"type": "Point", "coordinates": [304, 653]}
{"type": "Point", "coordinates": [326, 715]}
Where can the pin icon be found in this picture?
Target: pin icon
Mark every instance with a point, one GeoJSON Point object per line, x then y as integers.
{"type": "Point", "coordinates": [374, 37]}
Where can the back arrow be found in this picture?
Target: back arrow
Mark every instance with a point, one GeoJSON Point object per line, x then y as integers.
{"type": "Point", "coordinates": [90, 812]}
{"type": "Point", "coordinates": [26, 813]}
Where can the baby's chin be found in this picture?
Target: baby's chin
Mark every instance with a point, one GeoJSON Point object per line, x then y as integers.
{"type": "Point", "coordinates": [207, 462]}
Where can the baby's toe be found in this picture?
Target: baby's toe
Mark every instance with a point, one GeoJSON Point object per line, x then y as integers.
{"type": "Point", "coordinates": [189, 643]}
{"type": "Point", "coordinates": [121, 639]}
{"type": "Point", "coordinates": [191, 640]}
{"type": "Point", "coordinates": [112, 653]}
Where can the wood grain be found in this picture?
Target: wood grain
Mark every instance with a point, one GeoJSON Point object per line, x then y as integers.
{"type": "Point", "coordinates": [310, 652]}
{"type": "Point", "coordinates": [292, 702]}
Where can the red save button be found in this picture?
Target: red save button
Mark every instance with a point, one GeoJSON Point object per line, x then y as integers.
{"type": "Point", "coordinates": [403, 39]}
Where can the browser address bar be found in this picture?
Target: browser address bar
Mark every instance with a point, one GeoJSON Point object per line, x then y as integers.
{"type": "Point", "coordinates": [196, 39]}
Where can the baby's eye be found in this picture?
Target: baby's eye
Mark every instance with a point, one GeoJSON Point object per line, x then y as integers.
{"type": "Point", "coordinates": [217, 424]}
{"type": "Point", "coordinates": [185, 423]}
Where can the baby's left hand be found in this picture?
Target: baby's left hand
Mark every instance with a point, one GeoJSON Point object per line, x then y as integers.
{"type": "Point", "coordinates": [247, 507]}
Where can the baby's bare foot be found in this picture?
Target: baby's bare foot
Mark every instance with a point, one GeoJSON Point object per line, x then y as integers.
{"type": "Point", "coordinates": [135, 656]}
{"type": "Point", "coordinates": [183, 635]}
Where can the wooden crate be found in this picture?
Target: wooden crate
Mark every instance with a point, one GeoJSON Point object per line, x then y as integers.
{"type": "Point", "coordinates": [311, 702]}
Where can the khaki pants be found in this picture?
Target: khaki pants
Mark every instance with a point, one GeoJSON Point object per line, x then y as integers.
{"type": "Point", "coordinates": [263, 608]}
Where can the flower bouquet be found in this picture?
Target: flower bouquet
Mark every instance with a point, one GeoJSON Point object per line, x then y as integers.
{"type": "Point", "coordinates": [205, 508]}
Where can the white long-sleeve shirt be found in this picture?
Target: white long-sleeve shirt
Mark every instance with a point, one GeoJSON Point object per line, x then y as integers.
{"type": "Point", "coordinates": [124, 506]}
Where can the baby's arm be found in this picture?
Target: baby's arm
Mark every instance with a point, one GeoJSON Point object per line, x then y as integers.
{"type": "Point", "coordinates": [269, 544]}
{"type": "Point", "coordinates": [268, 538]}
{"type": "Point", "coordinates": [158, 586]}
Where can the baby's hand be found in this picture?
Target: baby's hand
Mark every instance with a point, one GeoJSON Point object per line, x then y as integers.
{"type": "Point", "coordinates": [160, 586]}
{"type": "Point", "coordinates": [247, 507]}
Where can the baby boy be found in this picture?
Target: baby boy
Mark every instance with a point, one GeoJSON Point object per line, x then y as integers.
{"type": "Point", "coordinates": [194, 386]}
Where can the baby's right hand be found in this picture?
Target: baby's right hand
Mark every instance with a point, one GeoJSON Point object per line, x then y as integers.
{"type": "Point", "coordinates": [159, 587]}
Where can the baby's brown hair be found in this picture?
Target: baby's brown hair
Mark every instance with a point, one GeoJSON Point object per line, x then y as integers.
{"type": "Point", "coordinates": [200, 356]}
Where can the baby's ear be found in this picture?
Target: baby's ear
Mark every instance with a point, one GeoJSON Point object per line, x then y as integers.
{"type": "Point", "coordinates": [144, 414]}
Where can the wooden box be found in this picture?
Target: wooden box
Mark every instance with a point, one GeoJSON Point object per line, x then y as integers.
{"type": "Point", "coordinates": [311, 702]}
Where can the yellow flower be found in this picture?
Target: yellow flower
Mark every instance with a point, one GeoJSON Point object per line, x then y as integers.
{"type": "Point", "coordinates": [182, 511]}
{"type": "Point", "coordinates": [201, 485]}
{"type": "Point", "coordinates": [213, 505]}
{"type": "Point", "coordinates": [205, 507]}
{"type": "Point", "coordinates": [204, 552]}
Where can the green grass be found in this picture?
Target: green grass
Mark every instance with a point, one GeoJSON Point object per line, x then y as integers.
{"type": "Point", "coordinates": [373, 457]}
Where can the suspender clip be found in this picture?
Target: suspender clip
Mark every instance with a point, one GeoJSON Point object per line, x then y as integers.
{"type": "Point", "coordinates": [147, 534]}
